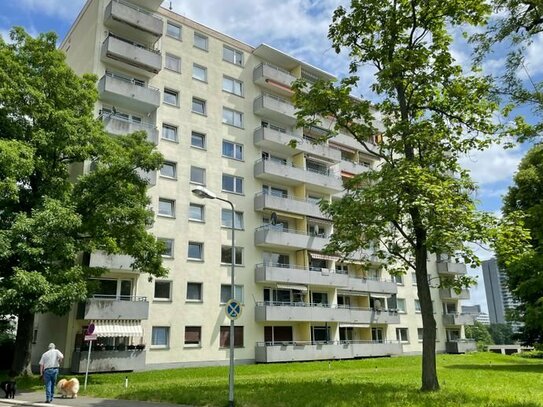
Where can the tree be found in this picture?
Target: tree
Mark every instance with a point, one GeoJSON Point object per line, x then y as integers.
{"type": "Point", "coordinates": [502, 334]}
{"type": "Point", "coordinates": [525, 275]}
{"type": "Point", "coordinates": [419, 200]}
{"type": "Point", "coordinates": [48, 215]}
{"type": "Point", "coordinates": [480, 334]}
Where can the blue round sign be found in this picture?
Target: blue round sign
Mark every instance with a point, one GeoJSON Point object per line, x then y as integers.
{"type": "Point", "coordinates": [233, 309]}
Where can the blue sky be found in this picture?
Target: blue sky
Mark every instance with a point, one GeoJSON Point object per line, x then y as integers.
{"type": "Point", "coordinates": [298, 27]}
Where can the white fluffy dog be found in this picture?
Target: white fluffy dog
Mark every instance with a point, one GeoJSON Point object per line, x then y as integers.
{"type": "Point", "coordinates": [68, 388]}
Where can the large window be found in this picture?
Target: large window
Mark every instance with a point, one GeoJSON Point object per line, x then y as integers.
{"type": "Point", "coordinates": [196, 251]}
{"type": "Point", "coordinates": [231, 183]}
{"type": "Point", "coordinates": [198, 106]}
{"type": "Point", "coordinates": [226, 255]}
{"type": "Point", "coordinates": [163, 290]}
{"type": "Point", "coordinates": [173, 63]}
{"type": "Point", "coordinates": [171, 97]}
{"type": "Point", "coordinates": [196, 212]}
{"type": "Point", "coordinates": [160, 337]}
{"type": "Point", "coordinates": [168, 247]}
{"type": "Point", "coordinates": [166, 207]}
{"type": "Point", "coordinates": [199, 72]}
{"type": "Point", "coordinates": [169, 169]}
{"type": "Point", "coordinates": [198, 140]}
{"type": "Point", "coordinates": [173, 30]}
{"type": "Point", "coordinates": [169, 132]}
{"type": "Point", "coordinates": [224, 337]}
{"type": "Point", "coordinates": [417, 306]}
{"type": "Point", "coordinates": [198, 175]}
{"type": "Point", "coordinates": [193, 335]}
{"type": "Point", "coordinates": [400, 304]}
{"type": "Point", "coordinates": [232, 150]}
{"type": "Point", "coordinates": [232, 117]}
{"type": "Point", "coordinates": [226, 293]}
{"type": "Point", "coordinates": [232, 55]}
{"type": "Point", "coordinates": [226, 219]}
{"type": "Point", "coordinates": [232, 85]}
{"type": "Point", "coordinates": [397, 279]}
{"type": "Point", "coordinates": [201, 41]}
{"type": "Point", "coordinates": [194, 291]}
{"type": "Point", "coordinates": [402, 335]}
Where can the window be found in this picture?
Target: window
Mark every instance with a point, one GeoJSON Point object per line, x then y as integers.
{"type": "Point", "coordinates": [417, 306]}
{"type": "Point", "coordinates": [232, 117]}
{"type": "Point", "coordinates": [224, 337]}
{"type": "Point", "coordinates": [171, 97]}
{"type": "Point", "coordinates": [193, 335]}
{"type": "Point", "coordinates": [199, 72]}
{"type": "Point", "coordinates": [414, 278]}
{"type": "Point", "coordinates": [198, 106]}
{"type": "Point", "coordinates": [232, 85]}
{"type": "Point", "coordinates": [169, 169]}
{"type": "Point", "coordinates": [196, 212]}
{"type": "Point", "coordinates": [226, 293]}
{"type": "Point", "coordinates": [200, 41]}
{"type": "Point", "coordinates": [319, 298]}
{"type": "Point", "coordinates": [196, 251]}
{"type": "Point", "coordinates": [166, 207]}
{"type": "Point", "coordinates": [274, 191]}
{"type": "Point", "coordinates": [172, 63]}
{"type": "Point", "coordinates": [198, 140]}
{"type": "Point", "coordinates": [397, 279]}
{"type": "Point", "coordinates": [169, 132]}
{"type": "Point", "coordinates": [402, 335]}
{"type": "Point", "coordinates": [168, 249]}
{"type": "Point", "coordinates": [232, 55]}
{"type": "Point", "coordinates": [400, 304]}
{"type": "Point", "coordinates": [232, 150]}
{"type": "Point", "coordinates": [232, 183]}
{"type": "Point", "coordinates": [173, 30]}
{"type": "Point", "coordinates": [226, 219]}
{"type": "Point", "coordinates": [160, 336]}
{"type": "Point", "coordinates": [194, 291]}
{"type": "Point", "coordinates": [419, 333]}
{"type": "Point", "coordinates": [226, 255]}
{"type": "Point", "coordinates": [198, 175]}
{"type": "Point", "coordinates": [163, 290]}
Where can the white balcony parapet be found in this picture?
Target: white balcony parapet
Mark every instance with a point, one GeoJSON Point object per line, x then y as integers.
{"type": "Point", "coordinates": [119, 125]}
{"type": "Point", "coordinates": [136, 22]}
{"type": "Point", "coordinates": [288, 204]}
{"type": "Point", "coordinates": [127, 92]}
{"type": "Point", "coordinates": [276, 235]}
{"type": "Point", "coordinates": [276, 108]}
{"type": "Point", "coordinates": [125, 53]}
{"type": "Point", "coordinates": [458, 319]}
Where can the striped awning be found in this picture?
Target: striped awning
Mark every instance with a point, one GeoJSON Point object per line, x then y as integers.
{"type": "Point", "coordinates": [354, 325]}
{"type": "Point", "coordinates": [320, 256]}
{"type": "Point", "coordinates": [297, 287]}
{"type": "Point", "coordinates": [118, 328]}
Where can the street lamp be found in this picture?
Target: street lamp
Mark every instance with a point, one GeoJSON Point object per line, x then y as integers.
{"type": "Point", "coordinates": [205, 193]}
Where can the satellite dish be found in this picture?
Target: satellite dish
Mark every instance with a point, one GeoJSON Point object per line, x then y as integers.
{"type": "Point", "coordinates": [377, 305]}
{"type": "Point", "coordinates": [273, 218]}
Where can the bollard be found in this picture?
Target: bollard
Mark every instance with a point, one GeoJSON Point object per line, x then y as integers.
{"type": "Point", "coordinates": [126, 382]}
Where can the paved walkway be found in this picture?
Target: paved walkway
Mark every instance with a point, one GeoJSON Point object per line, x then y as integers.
{"type": "Point", "coordinates": [36, 399]}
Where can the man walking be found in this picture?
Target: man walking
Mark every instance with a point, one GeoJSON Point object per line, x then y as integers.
{"type": "Point", "coordinates": [49, 364]}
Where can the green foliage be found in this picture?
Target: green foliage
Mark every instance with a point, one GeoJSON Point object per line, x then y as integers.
{"type": "Point", "coordinates": [534, 354]}
{"type": "Point", "coordinates": [51, 210]}
{"type": "Point", "coordinates": [502, 334]}
{"type": "Point", "coordinates": [480, 333]}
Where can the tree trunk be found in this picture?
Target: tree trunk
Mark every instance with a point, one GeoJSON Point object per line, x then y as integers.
{"type": "Point", "coordinates": [429, 371]}
{"type": "Point", "coordinates": [23, 345]}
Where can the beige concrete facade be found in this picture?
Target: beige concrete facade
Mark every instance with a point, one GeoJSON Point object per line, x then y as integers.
{"type": "Point", "coordinates": [298, 303]}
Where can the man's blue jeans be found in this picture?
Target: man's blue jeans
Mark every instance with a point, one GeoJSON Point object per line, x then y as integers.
{"type": "Point", "coordinates": [50, 378]}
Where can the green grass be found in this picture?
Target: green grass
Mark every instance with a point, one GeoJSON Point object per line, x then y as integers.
{"type": "Point", "coordinates": [480, 379]}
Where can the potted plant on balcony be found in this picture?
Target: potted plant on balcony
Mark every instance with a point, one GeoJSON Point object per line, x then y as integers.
{"type": "Point", "coordinates": [141, 346]}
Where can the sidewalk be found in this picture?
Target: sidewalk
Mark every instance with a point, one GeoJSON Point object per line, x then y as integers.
{"type": "Point", "coordinates": [36, 399]}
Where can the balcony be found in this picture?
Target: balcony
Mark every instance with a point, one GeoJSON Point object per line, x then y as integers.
{"type": "Point", "coordinates": [273, 78]}
{"type": "Point", "coordinates": [133, 21]}
{"type": "Point", "coordinates": [119, 126]}
{"type": "Point", "coordinates": [126, 54]}
{"type": "Point", "coordinates": [275, 108]}
{"type": "Point", "coordinates": [112, 307]}
{"type": "Point", "coordinates": [352, 167]}
{"type": "Point", "coordinates": [460, 346]}
{"type": "Point", "coordinates": [111, 261]}
{"type": "Point", "coordinates": [372, 285]}
{"type": "Point", "coordinates": [127, 92]}
{"type": "Point", "coordinates": [150, 4]}
{"type": "Point", "coordinates": [108, 361]}
{"type": "Point", "coordinates": [458, 319]}
{"type": "Point", "coordinates": [350, 142]}
{"type": "Point", "coordinates": [287, 204]}
{"type": "Point", "coordinates": [267, 352]}
{"type": "Point", "coordinates": [299, 275]}
{"type": "Point", "coordinates": [287, 174]}
{"type": "Point", "coordinates": [276, 236]}
{"type": "Point", "coordinates": [278, 141]}
{"type": "Point", "coordinates": [450, 294]}
{"type": "Point", "coordinates": [307, 312]}
{"type": "Point", "coordinates": [445, 267]}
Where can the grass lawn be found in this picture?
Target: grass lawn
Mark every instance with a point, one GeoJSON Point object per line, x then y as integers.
{"type": "Point", "coordinates": [480, 379]}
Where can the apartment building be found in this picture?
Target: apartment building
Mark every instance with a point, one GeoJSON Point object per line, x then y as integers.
{"type": "Point", "coordinates": [220, 112]}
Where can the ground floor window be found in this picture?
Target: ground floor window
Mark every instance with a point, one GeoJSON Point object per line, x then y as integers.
{"type": "Point", "coordinates": [224, 340]}
{"type": "Point", "coordinates": [274, 334]}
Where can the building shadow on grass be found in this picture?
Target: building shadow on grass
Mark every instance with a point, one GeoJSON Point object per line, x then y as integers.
{"type": "Point", "coordinates": [321, 393]}
{"type": "Point", "coordinates": [525, 368]}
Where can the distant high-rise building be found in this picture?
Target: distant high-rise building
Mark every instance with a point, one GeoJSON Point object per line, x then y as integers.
{"type": "Point", "coordinates": [483, 318]}
{"type": "Point", "coordinates": [471, 309]}
{"type": "Point", "coordinates": [498, 296]}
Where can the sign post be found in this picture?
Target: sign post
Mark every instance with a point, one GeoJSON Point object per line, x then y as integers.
{"type": "Point", "coordinates": [90, 336]}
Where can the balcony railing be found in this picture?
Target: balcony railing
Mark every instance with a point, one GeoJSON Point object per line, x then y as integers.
{"type": "Point", "coordinates": [120, 125]}
{"type": "Point", "coordinates": [104, 307]}
{"type": "Point", "coordinates": [136, 22]}
{"type": "Point", "coordinates": [297, 351]}
{"type": "Point", "coordinates": [127, 92]}
{"type": "Point", "coordinates": [460, 346]}
{"type": "Point", "coordinates": [447, 267]}
{"type": "Point", "coordinates": [275, 235]}
{"type": "Point", "coordinates": [274, 78]}
{"type": "Point", "coordinates": [126, 54]}
{"type": "Point", "coordinates": [287, 204]}
{"type": "Point", "coordinates": [458, 319]}
{"type": "Point", "coordinates": [451, 294]}
{"type": "Point", "coordinates": [275, 108]}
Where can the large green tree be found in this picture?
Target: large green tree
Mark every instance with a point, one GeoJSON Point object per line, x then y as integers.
{"type": "Point", "coordinates": [418, 200]}
{"type": "Point", "coordinates": [48, 215]}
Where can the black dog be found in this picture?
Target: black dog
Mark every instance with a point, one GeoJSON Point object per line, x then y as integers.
{"type": "Point", "coordinates": [9, 387]}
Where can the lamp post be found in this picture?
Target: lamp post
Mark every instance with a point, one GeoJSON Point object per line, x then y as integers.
{"type": "Point", "coordinates": [205, 193]}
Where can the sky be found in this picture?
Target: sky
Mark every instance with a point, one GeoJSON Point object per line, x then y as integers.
{"type": "Point", "coordinates": [299, 28]}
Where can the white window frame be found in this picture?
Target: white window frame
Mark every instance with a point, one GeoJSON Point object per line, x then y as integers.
{"type": "Point", "coordinates": [169, 297]}
{"type": "Point", "coordinates": [232, 55]}
{"type": "Point", "coordinates": [169, 244]}
{"type": "Point", "coordinates": [202, 211]}
{"type": "Point", "coordinates": [172, 204]}
{"type": "Point", "coordinates": [196, 69]}
{"type": "Point", "coordinates": [236, 119]}
{"type": "Point", "coordinates": [238, 293]}
{"type": "Point", "coordinates": [200, 103]}
{"type": "Point", "coordinates": [400, 332]}
{"type": "Point", "coordinates": [172, 128]}
{"type": "Point", "coordinates": [201, 37]}
{"type": "Point", "coordinates": [165, 345]}
{"type": "Point", "coordinates": [239, 253]}
{"type": "Point", "coordinates": [235, 178]}
{"type": "Point", "coordinates": [203, 172]}
{"type": "Point", "coordinates": [237, 150]}
{"type": "Point", "coordinates": [171, 164]}
{"type": "Point", "coordinates": [172, 93]}
{"type": "Point", "coordinates": [201, 246]}
{"type": "Point", "coordinates": [201, 293]}
{"type": "Point", "coordinates": [226, 219]}
{"type": "Point", "coordinates": [192, 345]}
{"type": "Point", "coordinates": [170, 60]}
{"type": "Point", "coordinates": [233, 86]}
{"type": "Point", "coordinates": [171, 35]}
{"type": "Point", "coordinates": [203, 136]}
